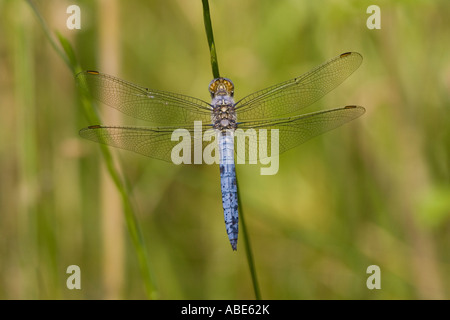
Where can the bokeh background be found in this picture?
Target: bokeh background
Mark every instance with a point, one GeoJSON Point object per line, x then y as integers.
{"type": "Point", "coordinates": [373, 192]}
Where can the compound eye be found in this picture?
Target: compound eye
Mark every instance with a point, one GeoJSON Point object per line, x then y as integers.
{"type": "Point", "coordinates": [229, 85]}
{"type": "Point", "coordinates": [213, 85]}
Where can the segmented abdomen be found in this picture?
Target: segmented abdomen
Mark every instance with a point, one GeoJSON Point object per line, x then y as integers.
{"type": "Point", "coordinates": [228, 186]}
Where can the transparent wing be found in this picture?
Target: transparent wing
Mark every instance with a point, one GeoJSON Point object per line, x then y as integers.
{"type": "Point", "coordinates": [295, 94]}
{"type": "Point", "coordinates": [293, 131]}
{"type": "Point", "coordinates": [158, 107]}
{"type": "Point", "coordinates": [156, 142]}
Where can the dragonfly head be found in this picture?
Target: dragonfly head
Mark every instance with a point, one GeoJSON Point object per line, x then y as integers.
{"type": "Point", "coordinates": [221, 87]}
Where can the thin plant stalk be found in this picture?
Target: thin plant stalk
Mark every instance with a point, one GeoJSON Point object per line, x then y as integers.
{"type": "Point", "coordinates": [67, 54]}
{"type": "Point", "coordinates": [210, 38]}
{"type": "Point", "coordinates": [215, 70]}
{"type": "Point", "coordinates": [248, 249]}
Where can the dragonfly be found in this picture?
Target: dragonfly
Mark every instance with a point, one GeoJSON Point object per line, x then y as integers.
{"type": "Point", "coordinates": [273, 108]}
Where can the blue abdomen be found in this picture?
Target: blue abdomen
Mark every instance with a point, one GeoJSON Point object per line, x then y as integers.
{"type": "Point", "coordinates": [228, 186]}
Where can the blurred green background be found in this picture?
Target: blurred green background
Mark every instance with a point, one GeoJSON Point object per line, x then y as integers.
{"type": "Point", "coordinates": [373, 192]}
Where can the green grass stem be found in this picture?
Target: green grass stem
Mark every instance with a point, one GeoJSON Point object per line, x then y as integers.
{"type": "Point", "coordinates": [215, 69]}
{"type": "Point", "coordinates": [210, 38]}
{"type": "Point", "coordinates": [67, 54]}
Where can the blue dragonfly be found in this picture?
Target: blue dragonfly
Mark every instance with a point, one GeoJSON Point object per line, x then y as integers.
{"type": "Point", "coordinates": [273, 108]}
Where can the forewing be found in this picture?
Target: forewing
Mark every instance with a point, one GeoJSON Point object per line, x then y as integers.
{"type": "Point", "coordinates": [291, 96]}
{"type": "Point", "coordinates": [158, 107]}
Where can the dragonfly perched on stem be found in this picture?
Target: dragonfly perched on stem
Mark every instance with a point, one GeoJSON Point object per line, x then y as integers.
{"type": "Point", "coordinates": [274, 108]}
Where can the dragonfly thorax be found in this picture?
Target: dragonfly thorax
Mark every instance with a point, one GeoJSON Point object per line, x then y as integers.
{"type": "Point", "coordinates": [223, 114]}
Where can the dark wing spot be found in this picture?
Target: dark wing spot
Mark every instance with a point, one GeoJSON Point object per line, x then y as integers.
{"type": "Point", "coordinates": [345, 54]}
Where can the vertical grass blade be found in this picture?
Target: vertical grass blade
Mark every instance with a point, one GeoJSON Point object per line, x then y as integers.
{"type": "Point", "coordinates": [67, 54]}
{"type": "Point", "coordinates": [248, 249]}
{"type": "Point", "coordinates": [48, 33]}
{"type": "Point", "coordinates": [215, 69]}
{"type": "Point", "coordinates": [210, 38]}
